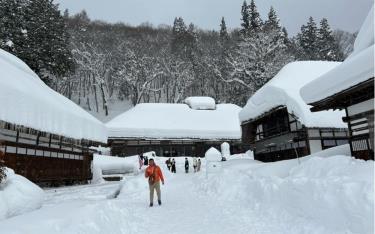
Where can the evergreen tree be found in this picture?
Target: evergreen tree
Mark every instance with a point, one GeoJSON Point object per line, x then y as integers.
{"type": "Point", "coordinates": [245, 18]}
{"type": "Point", "coordinates": [179, 32]}
{"type": "Point", "coordinates": [308, 41]}
{"type": "Point", "coordinates": [39, 35]}
{"type": "Point", "coordinates": [327, 46]}
{"type": "Point", "coordinates": [224, 36]}
{"type": "Point", "coordinates": [273, 21]}
{"type": "Point", "coordinates": [255, 20]}
{"type": "Point", "coordinates": [12, 26]}
{"type": "Point", "coordinates": [191, 41]}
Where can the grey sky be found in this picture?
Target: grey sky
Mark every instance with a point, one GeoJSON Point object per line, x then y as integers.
{"type": "Point", "coordinates": [344, 14]}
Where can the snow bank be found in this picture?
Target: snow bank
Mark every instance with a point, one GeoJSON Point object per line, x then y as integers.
{"type": "Point", "coordinates": [112, 165]}
{"type": "Point", "coordinates": [18, 195]}
{"type": "Point", "coordinates": [201, 103]}
{"type": "Point", "coordinates": [171, 121]}
{"type": "Point", "coordinates": [357, 68]}
{"type": "Point", "coordinates": [284, 90]}
{"type": "Point", "coordinates": [332, 194]}
{"type": "Point", "coordinates": [25, 100]}
{"type": "Point", "coordinates": [225, 149]}
{"type": "Point", "coordinates": [213, 155]}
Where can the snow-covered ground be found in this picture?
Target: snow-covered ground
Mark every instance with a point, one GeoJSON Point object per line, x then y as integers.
{"type": "Point", "coordinates": [320, 195]}
{"type": "Point", "coordinates": [18, 195]}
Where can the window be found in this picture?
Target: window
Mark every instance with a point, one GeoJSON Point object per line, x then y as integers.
{"type": "Point", "coordinates": [259, 133]}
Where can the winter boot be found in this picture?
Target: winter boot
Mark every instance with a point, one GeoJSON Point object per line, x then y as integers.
{"type": "Point", "coordinates": [159, 202]}
{"type": "Point", "coordinates": [151, 205]}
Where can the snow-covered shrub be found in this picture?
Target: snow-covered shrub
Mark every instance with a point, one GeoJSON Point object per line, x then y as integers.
{"type": "Point", "coordinates": [2, 172]}
{"type": "Point", "coordinates": [2, 168]}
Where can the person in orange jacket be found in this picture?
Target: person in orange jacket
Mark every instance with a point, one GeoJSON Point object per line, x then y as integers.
{"type": "Point", "coordinates": [154, 175]}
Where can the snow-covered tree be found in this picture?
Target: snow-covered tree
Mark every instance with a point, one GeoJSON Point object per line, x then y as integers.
{"type": "Point", "coordinates": [327, 45]}
{"type": "Point", "coordinates": [13, 31]}
{"type": "Point", "coordinates": [255, 20]}
{"type": "Point", "coordinates": [272, 21]}
{"type": "Point", "coordinates": [345, 41]}
{"type": "Point", "coordinates": [308, 40]}
{"type": "Point", "coordinates": [245, 24]}
{"type": "Point", "coordinates": [36, 32]}
{"type": "Point", "coordinates": [224, 36]}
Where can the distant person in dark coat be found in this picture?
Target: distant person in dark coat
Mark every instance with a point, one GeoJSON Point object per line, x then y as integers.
{"type": "Point", "coordinates": [186, 165]}
{"type": "Point", "coordinates": [173, 165]}
{"type": "Point", "coordinates": [146, 160]}
{"type": "Point", "coordinates": [169, 164]}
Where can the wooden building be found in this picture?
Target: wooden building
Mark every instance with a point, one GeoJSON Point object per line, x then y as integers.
{"type": "Point", "coordinates": [350, 87]}
{"type": "Point", "coordinates": [278, 125]}
{"type": "Point", "coordinates": [43, 135]}
{"type": "Point", "coordinates": [175, 129]}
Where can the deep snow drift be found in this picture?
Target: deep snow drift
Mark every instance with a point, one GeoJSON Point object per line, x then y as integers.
{"type": "Point", "coordinates": [18, 195]}
{"type": "Point", "coordinates": [323, 193]}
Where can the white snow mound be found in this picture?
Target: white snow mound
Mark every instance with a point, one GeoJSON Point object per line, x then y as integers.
{"type": "Point", "coordinates": [201, 103]}
{"type": "Point", "coordinates": [213, 154]}
{"type": "Point", "coordinates": [332, 194]}
{"type": "Point", "coordinates": [18, 195]}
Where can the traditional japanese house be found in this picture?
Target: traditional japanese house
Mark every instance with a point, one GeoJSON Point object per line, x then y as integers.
{"type": "Point", "coordinates": [277, 124]}
{"type": "Point", "coordinates": [186, 129]}
{"type": "Point", "coordinates": [350, 87]}
{"type": "Point", "coordinates": [43, 135]}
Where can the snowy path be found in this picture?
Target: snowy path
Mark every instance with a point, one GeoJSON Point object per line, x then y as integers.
{"type": "Point", "coordinates": [86, 209]}
{"type": "Point", "coordinates": [247, 197]}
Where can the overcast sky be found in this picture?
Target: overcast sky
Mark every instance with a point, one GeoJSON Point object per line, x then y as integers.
{"type": "Point", "coordinates": [344, 14]}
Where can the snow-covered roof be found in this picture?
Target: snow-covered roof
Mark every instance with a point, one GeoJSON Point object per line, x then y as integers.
{"type": "Point", "coordinates": [357, 68]}
{"type": "Point", "coordinates": [171, 121]}
{"type": "Point", "coordinates": [284, 90]}
{"type": "Point", "coordinates": [25, 100]}
{"type": "Point", "coordinates": [201, 103]}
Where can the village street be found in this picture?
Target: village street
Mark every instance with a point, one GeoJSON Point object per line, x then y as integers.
{"type": "Point", "coordinates": [245, 197]}
{"type": "Point", "coordinates": [186, 208]}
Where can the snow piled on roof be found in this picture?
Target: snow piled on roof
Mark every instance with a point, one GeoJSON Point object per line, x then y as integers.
{"type": "Point", "coordinates": [170, 121]}
{"type": "Point", "coordinates": [201, 103]}
{"type": "Point", "coordinates": [284, 90]}
{"type": "Point", "coordinates": [25, 100]}
{"type": "Point", "coordinates": [357, 68]}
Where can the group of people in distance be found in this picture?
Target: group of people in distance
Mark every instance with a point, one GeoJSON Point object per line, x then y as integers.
{"type": "Point", "coordinates": [171, 164]}
{"type": "Point", "coordinates": [196, 165]}
{"type": "Point", "coordinates": [143, 160]}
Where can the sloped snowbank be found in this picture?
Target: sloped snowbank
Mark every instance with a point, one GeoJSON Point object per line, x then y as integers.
{"type": "Point", "coordinates": [18, 195]}
{"type": "Point", "coordinates": [112, 164]}
{"type": "Point", "coordinates": [328, 194]}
